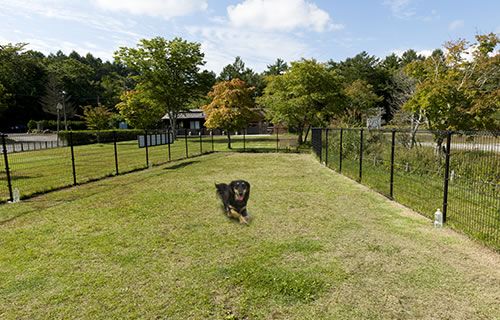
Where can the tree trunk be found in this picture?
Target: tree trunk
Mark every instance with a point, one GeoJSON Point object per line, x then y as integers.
{"type": "Point", "coordinates": [173, 124]}
{"type": "Point", "coordinates": [228, 140]}
{"type": "Point", "coordinates": [307, 132]}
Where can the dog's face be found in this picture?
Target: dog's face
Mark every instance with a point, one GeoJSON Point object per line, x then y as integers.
{"type": "Point", "coordinates": [240, 189]}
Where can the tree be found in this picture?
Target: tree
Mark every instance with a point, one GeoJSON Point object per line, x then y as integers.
{"type": "Point", "coordinates": [22, 79]}
{"type": "Point", "coordinates": [456, 93]}
{"type": "Point", "coordinates": [97, 118]}
{"type": "Point", "coordinates": [361, 102]}
{"type": "Point", "coordinates": [307, 95]}
{"type": "Point", "coordinates": [277, 68]}
{"type": "Point", "coordinates": [237, 70]}
{"type": "Point", "coordinates": [55, 98]}
{"type": "Point", "coordinates": [139, 111]}
{"type": "Point", "coordinates": [231, 107]}
{"type": "Point", "coordinates": [167, 72]}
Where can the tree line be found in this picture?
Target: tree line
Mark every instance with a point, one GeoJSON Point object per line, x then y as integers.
{"type": "Point", "coordinates": [455, 88]}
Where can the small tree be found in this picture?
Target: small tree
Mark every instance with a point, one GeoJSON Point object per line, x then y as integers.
{"type": "Point", "coordinates": [97, 118]}
{"type": "Point", "coordinates": [361, 102]}
{"type": "Point", "coordinates": [230, 108]}
{"type": "Point", "coordinates": [139, 111]}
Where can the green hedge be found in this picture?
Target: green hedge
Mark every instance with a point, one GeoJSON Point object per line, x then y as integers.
{"type": "Point", "coordinates": [102, 136]}
{"type": "Point", "coordinates": [52, 125]}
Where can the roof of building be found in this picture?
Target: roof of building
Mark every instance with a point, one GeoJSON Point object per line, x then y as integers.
{"type": "Point", "coordinates": [190, 114]}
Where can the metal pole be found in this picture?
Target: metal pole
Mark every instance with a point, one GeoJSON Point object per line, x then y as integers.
{"type": "Point", "coordinates": [116, 152]}
{"type": "Point", "coordinates": [340, 151]}
{"type": "Point", "coordinates": [277, 140]}
{"type": "Point", "coordinates": [320, 145]}
{"type": "Point", "coordinates": [360, 155]}
{"type": "Point", "coordinates": [393, 143]}
{"type": "Point", "coordinates": [212, 135]}
{"type": "Point", "coordinates": [7, 171]}
{"type": "Point", "coordinates": [326, 150]}
{"type": "Point", "coordinates": [244, 140]}
{"type": "Point", "coordinates": [186, 140]}
{"type": "Point", "coordinates": [201, 144]}
{"type": "Point", "coordinates": [169, 142]}
{"type": "Point", "coordinates": [446, 174]}
{"type": "Point", "coordinates": [146, 145]}
{"type": "Point", "coordinates": [72, 157]}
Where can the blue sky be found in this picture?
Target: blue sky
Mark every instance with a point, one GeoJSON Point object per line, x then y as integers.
{"type": "Point", "coordinates": [257, 30]}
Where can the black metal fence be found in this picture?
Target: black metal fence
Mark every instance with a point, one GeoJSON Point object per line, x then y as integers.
{"type": "Point", "coordinates": [34, 171]}
{"type": "Point", "coordinates": [457, 172]}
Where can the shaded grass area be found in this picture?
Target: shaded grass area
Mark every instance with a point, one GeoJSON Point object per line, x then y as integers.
{"type": "Point", "coordinates": [154, 244]}
{"type": "Point", "coordinates": [39, 171]}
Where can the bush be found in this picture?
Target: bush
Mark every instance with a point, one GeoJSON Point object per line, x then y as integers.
{"type": "Point", "coordinates": [102, 136]}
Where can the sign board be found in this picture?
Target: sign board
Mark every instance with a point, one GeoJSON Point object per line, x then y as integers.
{"type": "Point", "coordinates": [154, 139]}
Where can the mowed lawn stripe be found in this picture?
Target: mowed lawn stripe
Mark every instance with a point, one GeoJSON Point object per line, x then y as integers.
{"type": "Point", "coordinates": [155, 244]}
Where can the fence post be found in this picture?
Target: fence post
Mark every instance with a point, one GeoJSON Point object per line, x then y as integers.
{"type": "Point", "coordinates": [320, 145]}
{"type": "Point", "coordinates": [446, 174]}
{"type": "Point", "coordinates": [168, 143]}
{"type": "Point", "coordinates": [146, 145]}
{"type": "Point", "coordinates": [212, 136]}
{"type": "Point", "coordinates": [340, 150]}
{"type": "Point", "coordinates": [7, 169]}
{"type": "Point", "coordinates": [186, 141]}
{"type": "Point", "coordinates": [277, 140]}
{"type": "Point", "coordinates": [326, 150]}
{"type": "Point", "coordinates": [360, 155]}
{"type": "Point", "coordinates": [393, 143]}
{"type": "Point", "coordinates": [244, 140]}
{"type": "Point", "coordinates": [72, 157]}
{"type": "Point", "coordinates": [116, 152]}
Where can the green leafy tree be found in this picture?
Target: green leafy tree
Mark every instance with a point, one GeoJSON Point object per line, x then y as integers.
{"type": "Point", "coordinates": [277, 68]}
{"type": "Point", "coordinates": [361, 103]}
{"type": "Point", "coordinates": [230, 108]}
{"type": "Point", "coordinates": [456, 93]}
{"type": "Point", "coordinates": [237, 70]}
{"type": "Point", "coordinates": [306, 95]}
{"type": "Point", "coordinates": [97, 118]}
{"type": "Point", "coordinates": [167, 72]}
{"type": "Point", "coordinates": [140, 111]}
{"type": "Point", "coordinates": [22, 79]}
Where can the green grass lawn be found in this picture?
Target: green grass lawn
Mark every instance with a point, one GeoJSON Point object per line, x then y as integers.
{"type": "Point", "coordinates": [154, 244]}
{"type": "Point", "coordinates": [44, 170]}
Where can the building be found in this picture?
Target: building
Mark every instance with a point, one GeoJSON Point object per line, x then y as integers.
{"type": "Point", "coordinates": [193, 120]}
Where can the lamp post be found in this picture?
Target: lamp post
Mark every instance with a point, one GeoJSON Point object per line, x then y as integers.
{"type": "Point", "coordinates": [64, 109]}
{"type": "Point", "coordinates": [59, 107]}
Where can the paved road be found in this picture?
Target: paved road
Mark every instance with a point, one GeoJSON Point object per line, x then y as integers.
{"type": "Point", "coordinates": [492, 147]}
{"type": "Point", "coordinates": [32, 137]}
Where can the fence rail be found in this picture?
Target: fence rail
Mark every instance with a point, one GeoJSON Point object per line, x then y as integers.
{"type": "Point", "coordinates": [457, 172]}
{"type": "Point", "coordinates": [35, 171]}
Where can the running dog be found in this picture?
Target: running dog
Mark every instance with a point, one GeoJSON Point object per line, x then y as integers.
{"type": "Point", "coordinates": [234, 197]}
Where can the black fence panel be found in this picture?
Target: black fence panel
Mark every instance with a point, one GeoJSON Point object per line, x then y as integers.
{"type": "Point", "coordinates": [456, 172]}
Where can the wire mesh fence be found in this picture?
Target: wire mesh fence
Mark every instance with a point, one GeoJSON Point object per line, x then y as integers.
{"type": "Point", "coordinates": [37, 171]}
{"type": "Point", "coordinates": [457, 172]}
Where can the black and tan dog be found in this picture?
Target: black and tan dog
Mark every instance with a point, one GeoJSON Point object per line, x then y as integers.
{"type": "Point", "coordinates": [234, 197]}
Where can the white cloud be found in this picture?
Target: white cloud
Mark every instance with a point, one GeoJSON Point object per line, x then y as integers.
{"type": "Point", "coordinates": [400, 8]}
{"type": "Point", "coordinates": [281, 15]}
{"type": "Point", "coordinates": [162, 8]}
{"type": "Point", "coordinates": [257, 49]}
{"type": "Point", "coordinates": [456, 24]}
